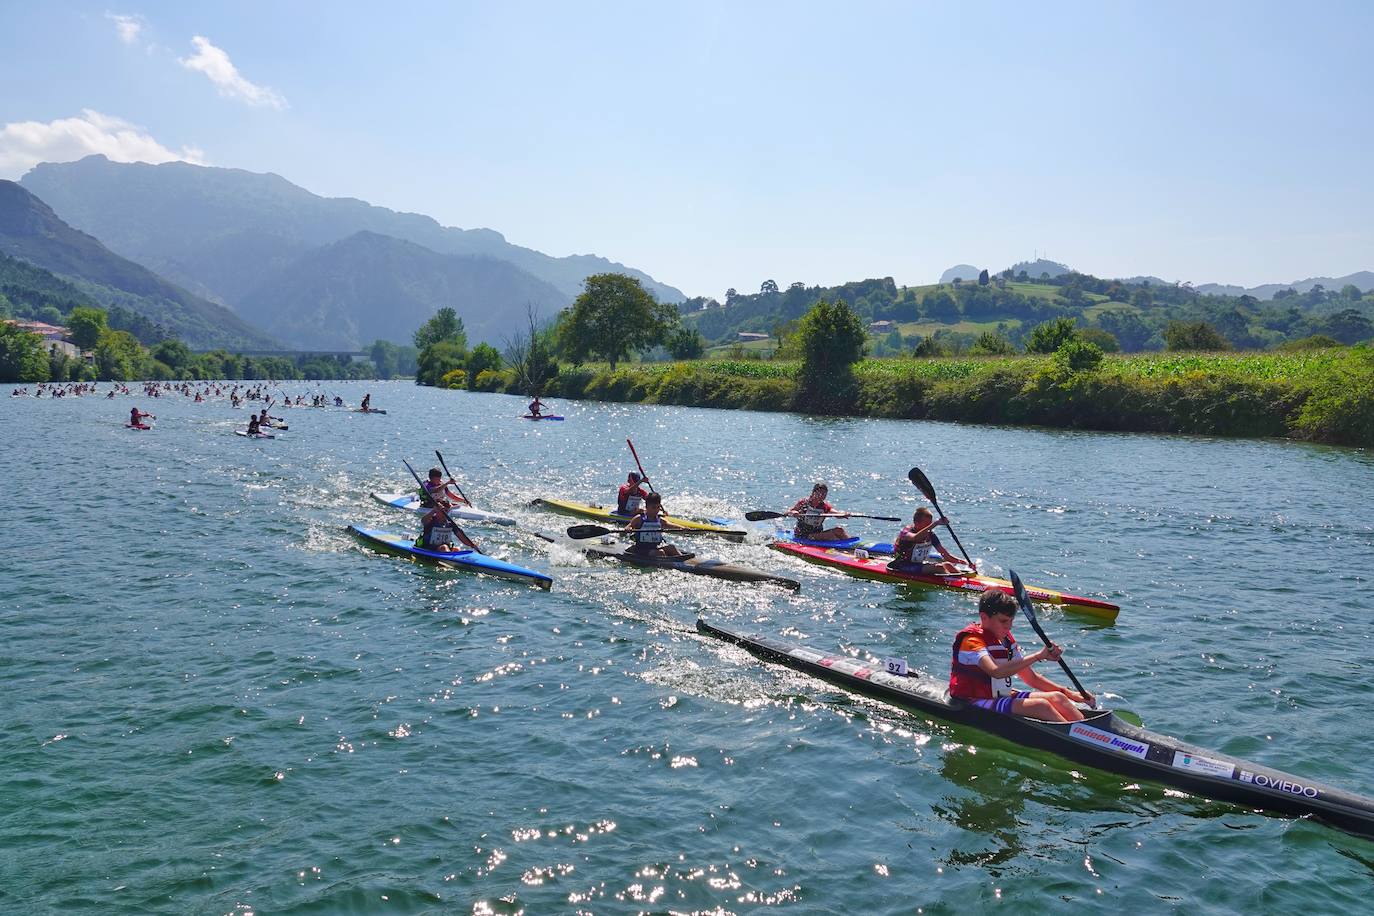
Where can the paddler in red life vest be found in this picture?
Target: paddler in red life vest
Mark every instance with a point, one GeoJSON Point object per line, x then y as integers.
{"type": "Point", "coordinates": [986, 657]}
{"type": "Point", "coordinates": [811, 512]}
{"type": "Point", "coordinates": [630, 499]}
{"type": "Point", "coordinates": [535, 406]}
{"type": "Point", "coordinates": [915, 545]}
{"type": "Point", "coordinates": [647, 528]}
{"type": "Point", "coordinates": [136, 416]}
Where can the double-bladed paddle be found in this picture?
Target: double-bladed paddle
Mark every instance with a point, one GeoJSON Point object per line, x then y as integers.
{"type": "Point", "coordinates": [451, 477]}
{"type": "Point", "coordinates": [463, 536]}
{"type": "Point", "coordinates": [922, 483]}
{"type": "Point", "coordinates": [761, 515]}
{"type": "Point", "coordinates": [1027, 609]}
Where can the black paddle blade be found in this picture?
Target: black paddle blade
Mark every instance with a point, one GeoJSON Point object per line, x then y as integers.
{"type": "Point", "coordinates": [1022, 598]}
{"type": "Point", "coordinates": [583, 532]}
{"type": "Point", "coordinates": [760, 515]}
{"type": "Point", "coordinates": [922, 483]}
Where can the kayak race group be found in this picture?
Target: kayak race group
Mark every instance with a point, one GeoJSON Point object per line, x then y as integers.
{"type": "Point", "coordinates": [985, 659]}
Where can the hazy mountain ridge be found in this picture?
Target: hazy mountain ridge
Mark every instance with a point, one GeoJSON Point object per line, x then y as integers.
{"type": "Point", "coordinates": [368, 286]}
{"type": "Point", "coordinates": [206, 226]}
{"type": "Point", "coordinates": [1363, 279]}
{"type": "Point", "coordinates": [31, 231]}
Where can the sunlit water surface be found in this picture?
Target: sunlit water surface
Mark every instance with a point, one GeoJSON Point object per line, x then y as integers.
{"type": "Point", "coordinates": [218, 701]}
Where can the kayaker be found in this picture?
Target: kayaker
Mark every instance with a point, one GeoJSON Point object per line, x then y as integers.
{"type": "Point", "coordinates": [915, 544]}
{"type": "Point", "coordinates": [810, 514]}
{"type": "Point", "coordinates": [631, 497]}
{"type": "Point", "coordinates": [436, 491]}
{"type": "Point", "coordinates": [647, 528]}
{"type": "Point", "coordinates": [136, 416]}
{"type": "Point", "coordinates": [440, 533]}
{"type": "Point", "coordinates": [535, 406]}
{"type": "Point", "coordinates": [338, 401]}
{"type": "Point", "coordinates": [367, 402]}
{"type": "Point", "coordinates": [986, 657]}
{"type": "Point", "coordinates": [254, 427]}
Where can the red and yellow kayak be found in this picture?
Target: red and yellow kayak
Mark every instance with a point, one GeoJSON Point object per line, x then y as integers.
{"type": "Point", "coordinates": [876, 568]}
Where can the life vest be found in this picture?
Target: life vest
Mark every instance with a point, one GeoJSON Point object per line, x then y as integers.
{"type": "Point", "coordinates": [812, 518]}
{"type": "Point", "coordinates": [650, 532]}
{"type": "Point", "coordinates": [912, 552]}
{"type": "Point", "coordinates": [431, 498]}
{"type": "Point", "coordinates": [966, 680]}
{"type": "Point", "coordinates": [630, 499]}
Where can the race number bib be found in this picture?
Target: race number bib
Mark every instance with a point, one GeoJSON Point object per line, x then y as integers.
{"type": "Point", "coordinates": [895, 666]}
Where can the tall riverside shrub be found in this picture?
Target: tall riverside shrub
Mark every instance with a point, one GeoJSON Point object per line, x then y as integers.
{"type": "Point", "coordinates": [832, 340]}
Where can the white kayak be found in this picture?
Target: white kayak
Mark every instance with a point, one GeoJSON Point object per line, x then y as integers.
{"type": "Point", "coordinates": [408, 502]}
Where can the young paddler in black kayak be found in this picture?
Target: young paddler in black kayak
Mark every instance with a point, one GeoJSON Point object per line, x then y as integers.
{"type": "Point", "coordinates": [915, 544]}
{"type": "Point", "coordinates": [986, 657]}
{"type": "Point", "coordinates": [811, 512]}
{"type": "Point", "coordinates": [647, 528]}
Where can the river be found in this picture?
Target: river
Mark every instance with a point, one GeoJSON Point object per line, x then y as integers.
{"type": "Point", "coordinates": [220, 702]}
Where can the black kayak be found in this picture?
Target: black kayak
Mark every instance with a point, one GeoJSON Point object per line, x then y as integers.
{"type": "Point", "coordinates": [688, 563]}
{"type": "Point", "coordinates": [1102, 739]}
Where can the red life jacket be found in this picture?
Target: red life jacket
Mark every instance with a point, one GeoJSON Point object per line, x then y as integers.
{"type": "Point", "coordinates": [627, 492]}
{"type": "Point", "coordinates": [966, 680]}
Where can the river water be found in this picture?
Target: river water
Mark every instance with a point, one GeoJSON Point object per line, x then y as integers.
{"type": "Point", "coordinates": [218, 701]}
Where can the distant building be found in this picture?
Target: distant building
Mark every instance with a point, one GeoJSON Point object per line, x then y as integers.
{"type": "Point", "coordinates": [751, 335]}
{"type": "Point", "coordinates": [54, 336]}
{"type": "Point", "coordinates": [882, 327]}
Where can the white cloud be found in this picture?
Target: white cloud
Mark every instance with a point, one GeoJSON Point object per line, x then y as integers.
{"type": "Point", "coordinates": [24, 144]}
{"type": "Point", "coordinates": [220, 70]}
{"type": "Point", "coordinates": [128, 27]}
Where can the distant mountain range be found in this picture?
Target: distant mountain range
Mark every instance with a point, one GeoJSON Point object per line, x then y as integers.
{"type": "Point", "coordinates": [368, 285]}
{"type": "Point", "coordinates": [1364, 280]}
{"type": "Point", "coordinates": [30, 231]}
{"type": "Point", "coordinates": [257, 243]}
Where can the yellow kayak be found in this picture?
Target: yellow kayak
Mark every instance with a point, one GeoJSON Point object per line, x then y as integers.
{"type": "Point", "coordinates": [603, 514]}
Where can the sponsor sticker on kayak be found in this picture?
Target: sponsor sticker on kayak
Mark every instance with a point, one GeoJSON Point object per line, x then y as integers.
{"type": "Point", "coordinates": [1090, 735]}
{"type": "Point", "coordinates": [1281, 784]}
{"type": "Point", "coordinates": [1205, 765]}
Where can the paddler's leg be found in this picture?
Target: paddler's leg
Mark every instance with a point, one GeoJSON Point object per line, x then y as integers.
{"type": "Point", "coordinates": [1048, 707]}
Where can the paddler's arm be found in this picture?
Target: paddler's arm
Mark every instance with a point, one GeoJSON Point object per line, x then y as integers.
{"type": "Point", "coordinates": [1038, 681]}
{"type": "Point", "coordinates": [1015, 666]}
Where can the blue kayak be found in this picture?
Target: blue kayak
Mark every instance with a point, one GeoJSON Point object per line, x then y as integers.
{"type": "Point", "coordinates": [880, 548]}
{"type": "Point", "coordinates": [468, 560]}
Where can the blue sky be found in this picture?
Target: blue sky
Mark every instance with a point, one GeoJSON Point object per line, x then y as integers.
{"type": "Point", "coordinates": [722, 144]}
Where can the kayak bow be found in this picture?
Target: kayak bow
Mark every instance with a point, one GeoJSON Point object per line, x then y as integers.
{"type": "Point", "coordinates": [873, 568]}
{"type": "Point", "coordinates": [1102, 739]}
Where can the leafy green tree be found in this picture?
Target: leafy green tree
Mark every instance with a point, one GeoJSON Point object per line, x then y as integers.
{"type": "Point", "coordinates": [439, 358]}
{"type": "Point", "coordinates": [940, 306]}
{"type": "Point", "coordinates": [928, 347]}
{"type": "Point", "coordinates": [983, 277]}
{"type": "Point", "coordinates": [484, 357]}
{"type": "Point", "coordinates": [86, 325]}
{"type": "Point", "coordinates": [384, 355]}
{"type": "Point", "coordinates": [768, 286]}
{"type": "Point", "coordinates": [445, 325]}
{"type": "Point", "coordinates": [991, 344]}
{"type": "Point", "coordinates": [1075, 355]}
{"type": "Point", "coordinates": [614, 317]}
{"type": "Point", "coordinates": [685, 343]}
{"type": "Point", "coordinates": [1352, 292]}
{"type": "Point", "coordinates": [119, 356]}
{"type": "Point", "coordinates": [1127, 327]}
{"type": "Point", "coordinates": [1103, 340]}
{"type": "Point", "coordinates": [1194, 335]}
{"type": "Point", "coordinates": [1051, 335]}
{"type": "Point", "coordinates": [1348, 326]}
{"type": "Point", "coordinates": [173, 354]}
{"type": "Point", "coordinates": [23, 357]}
{"type": "Point", "coordinates": [832, 338]}
{"type": "Point", "coordinates": [49, 314]}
